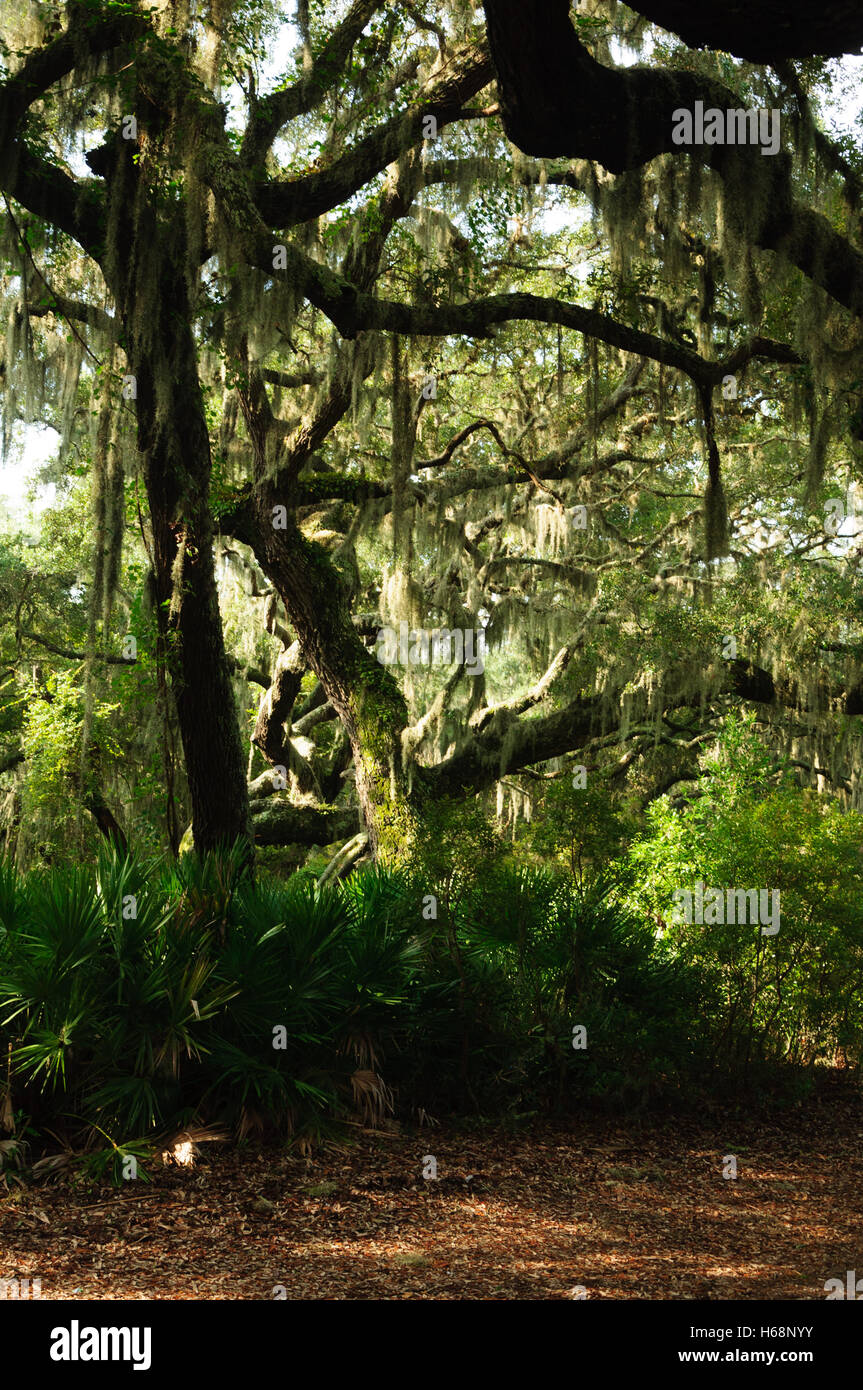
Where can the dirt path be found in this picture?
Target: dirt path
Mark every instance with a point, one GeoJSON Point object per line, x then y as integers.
{"type": "Point", "coordinates": [622, 1211]}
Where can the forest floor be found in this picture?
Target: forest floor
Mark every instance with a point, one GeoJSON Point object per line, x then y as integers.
{"type": "Point", "coordinates": [617, 1210]}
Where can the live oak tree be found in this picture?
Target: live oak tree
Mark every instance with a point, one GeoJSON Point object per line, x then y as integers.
{"type": "Point", "coordinates": [442, 327]}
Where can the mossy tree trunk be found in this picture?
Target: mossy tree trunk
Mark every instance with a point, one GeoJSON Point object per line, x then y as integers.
{"type": "Point", "coordinates": [363, 693]}
{"type": "Point", "coordinates": [175, 450]}
{"type": "Point", "coordinates": [177, 473]}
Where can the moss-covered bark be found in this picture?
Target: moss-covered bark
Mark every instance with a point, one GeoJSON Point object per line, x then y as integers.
{"type": "Point", "coordinates": [364, 694]}
{"type": "Point", "coordinates": [146, 265]}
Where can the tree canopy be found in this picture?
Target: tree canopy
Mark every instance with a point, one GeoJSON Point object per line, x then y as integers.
{"type": "Point", "coordinates": [431, 424]}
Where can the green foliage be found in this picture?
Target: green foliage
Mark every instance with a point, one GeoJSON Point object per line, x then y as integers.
{"type": "Point", "coordinates": [137, 998]}
{"type": "Point", "coordinates": [523, 957]}
{"type": "Point", "coordinates": [795, 995]}
{"type": "Point", "coordinates": [51, 741]}
{"type": "Point", "coordinates": [583, 829]}
{"type": "Point", "coordinates": [134, 998]}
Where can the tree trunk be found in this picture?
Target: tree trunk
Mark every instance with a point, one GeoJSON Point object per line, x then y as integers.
{"type": "Point", "coordinates": [174, 444]}
{"type": "Point", "coordinates": [363, 693]}
{"type": "Point", "coordinates": [177, 454]}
